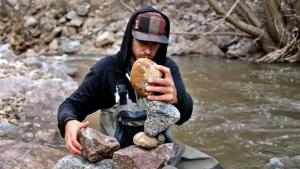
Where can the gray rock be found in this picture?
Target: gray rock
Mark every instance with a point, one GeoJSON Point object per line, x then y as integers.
{"type": "Point", "coordinates": [13, 85]}
{"type": "Point", "coordinates": [68, 31]}
{"type": "Point", "coordinates": [6, 52]}
{"type": "Point", "coordinates": [75, 22]}
{"type": "Point", "coordinates": [71, 15]}
{"type": "Point", "coordinates": [72, 162]}
{"type": "Point", "coordinates": [160, 116]}
{"type": "Point", "coordinates": [70, 46]}
{"type": "Point", "coordinates": [104, 39]}
{"type": "Point", "coordinates": [97, 146]}
{"type": "Point", "coordinates": [27, 155]}
{"type": "Point", "coordinates": [83, 9]}
{"type": "Point", "coordinates": [32, 61]}
{"type": "Point", "coordinates": [284, 162]}
{"type": "Point", "coordinates": [138, 158]}
{"type": "Point", "coordinates": [43, 98]}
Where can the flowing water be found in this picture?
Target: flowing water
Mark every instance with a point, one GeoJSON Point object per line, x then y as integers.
{"type": "Point", "coordinates": [244, 114]}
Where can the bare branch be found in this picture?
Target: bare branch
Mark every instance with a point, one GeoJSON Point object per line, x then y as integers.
{"type": "Point", "coordinates": [127, 6]}
{"type": "Point", "coordinates": [249, 14]}
{"type": "Point", "coordinates": [224, 18]}
{"type": "Point", "coordinates": [213, 34]}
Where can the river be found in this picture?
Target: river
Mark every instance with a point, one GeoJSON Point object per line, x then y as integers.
{"type": "Point", "coordinates": [244, 113]}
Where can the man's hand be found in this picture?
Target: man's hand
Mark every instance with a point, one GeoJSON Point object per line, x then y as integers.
{"type": "Point", "coordinates": [165, 86]}
{"type": "Point", "coordinates": [71, 130]}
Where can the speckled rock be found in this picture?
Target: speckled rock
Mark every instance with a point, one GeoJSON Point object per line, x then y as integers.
{"type": "Point", "coordinates": [144, 141]}
{"type": "Point", "coordinates": [160, 116]}
{"type": "Point", "coordinates": [72, 162]}
{"type": "Point", "coordinates": [138, 158]}
{"type": "Point", "coordinates": [141, 71]}
{"type": "Point", "coordinates": [97, 146]}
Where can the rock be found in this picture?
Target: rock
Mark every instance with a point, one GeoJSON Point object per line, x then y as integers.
{"type": "Point", "coordinates": [9, 130]}
{"type": "Point", "coordinates": [70, 46]}
{"type": "Point", "coordinates": [138, 158]}
{"type": "Point", "coordinates": [32, 61]}
{"type": "Point", "coordinates": [43, 97]}
{"type": "Point", "coordinates": [144, 141]}
{"type": "Point", "coordinates": [141, 71]}
{"type": "Point", "coordinates": [6, 52]}
{"type": "Point", "coordinates": [68, 31]}
{"type": "Point", "coordinates": [71, 15]}
{"type": "Point", "coordinates": [160, 116]}
{"type": "Point", "coordinates": [27, 155]}
{"type": "Point", "coordinates": [13, 85]}
{"type": "Point", "coordinates": [83, 9]}
{"type": "Point", "coordinates": [104, 39]}
{"type": "Point", "coordinates": [73, 162]}
{"type": "Point", "coordinates": [53, 46]}
{"type": "Point", "coordinates": [284, 162]}
{"type": "Point", "coordinates": [97, 146]}
{"type": "Point", "coordinates": [56, 31]}
{"type": "Point", "coordinates": [29, 21]}
{"type": "Point", "coordinates": [200, 46]}
{"type": "Point", "coordinates": [75, 22]}
{"type": "Point", "coordinates": [50, 136]}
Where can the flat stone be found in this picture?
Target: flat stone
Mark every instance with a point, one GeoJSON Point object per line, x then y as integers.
{"type": "Point", "coordinates": [97, 146]}
{"type": "Point", "coordinates": [138, 158]}
{"type": "Point", "coordinates": [144, 141]}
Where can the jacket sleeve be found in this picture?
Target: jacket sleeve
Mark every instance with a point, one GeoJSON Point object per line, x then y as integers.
{"type": "Point", "coordinates": [185, 102]}
{"type": "Point", "coordinates": [95, 92]}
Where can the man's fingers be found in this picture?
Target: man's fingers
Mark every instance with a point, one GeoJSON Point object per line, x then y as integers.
{"type": "Point", "coordinates": [165, 70]}
{"type": "Point", "coordinates": [84, 124]}
{"type": "Point", "coordinates": [76, 144]}
{"type": "Point", "coordinates": [159, 98]}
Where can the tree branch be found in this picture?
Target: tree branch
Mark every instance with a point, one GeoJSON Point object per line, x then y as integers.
{"type": "Point", "coordinates": [266, 42]}
{"type": "Point", "coordinates": [127, 6]}
{"type": "Point", "coordinates": [250, 14]}
{"type": "Point", "coordinates": [213, 34]}
{"type": "Point", "coordinates": [275, 21]}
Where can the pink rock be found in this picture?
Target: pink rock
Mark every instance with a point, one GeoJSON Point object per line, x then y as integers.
{"type": "Point", "coordinates": [134, 157]}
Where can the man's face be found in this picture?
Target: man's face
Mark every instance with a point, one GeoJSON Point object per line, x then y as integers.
{"type": "Point", "coordinates": [144, 49]}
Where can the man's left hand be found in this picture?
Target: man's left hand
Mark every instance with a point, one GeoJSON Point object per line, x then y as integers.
{"type": "Point", "coordinates": [165, 86]}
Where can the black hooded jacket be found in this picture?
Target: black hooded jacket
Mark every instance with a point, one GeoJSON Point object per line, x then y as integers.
{"type": "Point", "coordinates": [97, 91]}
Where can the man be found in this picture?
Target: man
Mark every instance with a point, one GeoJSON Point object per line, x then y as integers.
{"type": "Point", "coordinates": [106, 87]}
{"type": "Point", "coordinates": [147, 36]}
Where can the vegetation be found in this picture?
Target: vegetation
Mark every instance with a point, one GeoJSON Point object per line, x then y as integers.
{"type": "Point", "coordinates": [277, 34]}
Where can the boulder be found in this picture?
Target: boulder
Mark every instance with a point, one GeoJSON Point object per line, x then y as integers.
{"type": "Point", "coordinates": [104, 39]}
{"type": "Point", "coordinates": [138, 158]}
{"type": "Point", "coordinates": [97, 146]}
{"type": "Point", "coordinates": [160, 116]}
{"type": "Point", "coordinates": [27, 155]}
{"type": "Point", "coordinates": [141, 71]}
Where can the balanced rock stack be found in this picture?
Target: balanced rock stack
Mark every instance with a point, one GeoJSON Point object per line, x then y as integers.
{"type": "Point", "coordinates": [160, 115]}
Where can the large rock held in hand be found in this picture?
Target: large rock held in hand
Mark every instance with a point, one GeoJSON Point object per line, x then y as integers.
{"type": "Point", "coordinates": [142, 69]}
{"type": "Point", "coordinates": [138, 158]}
{"type": "Point", "coordinates": [97, 146]}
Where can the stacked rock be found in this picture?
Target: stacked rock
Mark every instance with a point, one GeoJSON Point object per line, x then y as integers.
{"type": "Point", "coordinates": [160, 115]}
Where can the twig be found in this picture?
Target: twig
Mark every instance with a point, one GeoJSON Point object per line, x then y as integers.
{"type": "Point", "coordinates": [127, 6]}
{"type": "Point", "coordinates": [224, 17]}
{"type": "Point", "coordinates": [213, 34]}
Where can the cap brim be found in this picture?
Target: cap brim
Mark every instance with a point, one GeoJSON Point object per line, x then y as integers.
{"type": "Point", "coordinates": [150, 37]}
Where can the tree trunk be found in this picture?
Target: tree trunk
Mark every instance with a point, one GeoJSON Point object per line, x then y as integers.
{"type": "Point", "coordinates": [265, 41]}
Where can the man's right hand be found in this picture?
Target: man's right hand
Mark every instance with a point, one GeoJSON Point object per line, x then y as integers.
{"type": "Point", "coordinates": [71, 130]}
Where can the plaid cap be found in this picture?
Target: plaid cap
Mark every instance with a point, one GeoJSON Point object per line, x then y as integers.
{"type": "Point", "coordinates": [150, 26]}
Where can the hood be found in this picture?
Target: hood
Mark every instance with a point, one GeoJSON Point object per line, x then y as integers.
{"type": "Point", "coordinates": [125, 52]}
